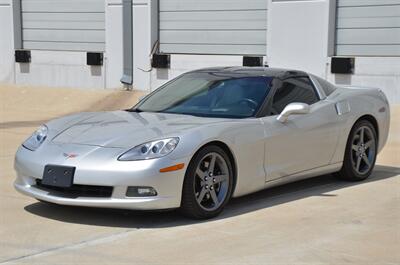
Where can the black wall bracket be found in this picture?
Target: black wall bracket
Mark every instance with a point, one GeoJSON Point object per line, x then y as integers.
{"type": "Point", "coordinates": [94, 58]}
{"type": "Point", "coordinates": [22, 56]}
{"type": "Point", "coordinates": [342, 65]}
{"type": "Point", "coordinates": [161, 61]}
{"type": "Point", "coordinates": [252, 61]}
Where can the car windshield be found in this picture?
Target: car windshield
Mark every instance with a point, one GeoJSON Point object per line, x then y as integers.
{"type": "Point", "coordinates": [206, 94]}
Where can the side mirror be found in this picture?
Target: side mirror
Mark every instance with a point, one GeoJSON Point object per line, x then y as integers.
{"type": "Point", "coordinates": [293, 108]}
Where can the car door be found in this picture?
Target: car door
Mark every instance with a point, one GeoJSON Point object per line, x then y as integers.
{"type": "Point", "coordinates": [304, 141]}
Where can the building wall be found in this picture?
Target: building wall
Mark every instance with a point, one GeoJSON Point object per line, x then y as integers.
{"type": "Point", "coordinates": [200, 34]}
{"type": "Point", "coordinates": [378, 72]}
{"type": "Point", "coordinates": [59, 69]}
{"type": "Point", "coordinates": [370, 32]}
{"type": "Point", "coordinates": [181, 63]}
{"type": "Point", "coordinates": [301, 35]}
{"type": "Point", "coordinates": [306, 41]}
{"type": "Point", "coordinates": [6, 42]}
{"type": "Point", "coordinates": [59, 33]}
{"type": "Point", "coordinates": [113, 46]}
{"type": "Point", "coordinates": [144, 39]}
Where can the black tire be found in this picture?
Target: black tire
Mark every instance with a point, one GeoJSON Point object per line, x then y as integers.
{"type": "Point", "coordinates": [351, 170]}
{"type": "Point", "coordinates": [190, 206]}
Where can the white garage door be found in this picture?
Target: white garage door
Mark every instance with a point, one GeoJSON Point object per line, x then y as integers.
{"type": "Point", "coordinates": [213, 26]}
{"type": "Point", "coordinates": [368, 28]}
{"type": "Point", "coordinates": [63, 25]}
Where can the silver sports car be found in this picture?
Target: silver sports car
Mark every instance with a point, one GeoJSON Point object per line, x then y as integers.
{"type": "Point", "coordinates": [205, 137]}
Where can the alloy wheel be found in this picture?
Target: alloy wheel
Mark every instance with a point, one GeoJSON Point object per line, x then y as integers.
{"type": "Point", "coordinates": [211, 183]}
{"type": "Point", "coordinates": [363, 150]}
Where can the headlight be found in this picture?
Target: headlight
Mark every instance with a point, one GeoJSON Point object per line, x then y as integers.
{"type": "Point", "coordinates": [36, 139]}
{"type": "Point", "coordinates": [150, 150]}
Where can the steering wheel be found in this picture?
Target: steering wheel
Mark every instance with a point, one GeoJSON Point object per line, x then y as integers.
{"type": "Point", "coordinates": [251, 103]}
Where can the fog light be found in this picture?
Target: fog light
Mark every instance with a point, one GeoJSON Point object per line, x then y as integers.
{"type": "Point", "coordinates": [140, 192]}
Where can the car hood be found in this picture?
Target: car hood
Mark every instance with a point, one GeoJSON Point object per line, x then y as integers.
{"type": "Point", "coordinates": [122, 129]}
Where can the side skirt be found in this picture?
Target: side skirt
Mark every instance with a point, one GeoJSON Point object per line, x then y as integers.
{"type": "Point", "coordinates": [296, 177]}
{"type": "Point", "coordinates": [304, 175]}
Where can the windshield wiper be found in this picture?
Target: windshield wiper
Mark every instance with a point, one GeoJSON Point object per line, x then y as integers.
{"type": "Point", "coordinates": [137, 110]}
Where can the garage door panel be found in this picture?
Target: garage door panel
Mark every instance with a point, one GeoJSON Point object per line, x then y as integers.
{"type": "Point", "coordinates": [64, 46]}
{"type": "Point", "coordinates": [213, 37]}
{"type": "Point", "coordinates": [211, 5]}
{"type": "Point", "coordinates": [213, 27]}
{"type": "Point", "coordinates": [368, 36]}
{"type": "Point", "coordinates": [51, 17]}
{"type": "Point", "coordinates": [369, 11]}
{"type": "Point", "coordinates": [215, 15]}
{"type": "Point", "coordinates": [372, 22]}
{"type": "Point", "coordinates": [342, 3]}
{"type": "Point", "coordinates": [228, 49]}
{"type": "Point", "coordinates": [64, 25]}
{"type": "Point", "coordinates": [214, 20]}
{"type": "Point", "coordinates": [368, 28]}
{"type": "Point", "coordinates": [62, 6]}
{"type": "Point", "coordinates": [63, 35]}
{"type": "Point", "coordinates": [61, 24]}
{"type": "Point", "coordinates": [369, 50]}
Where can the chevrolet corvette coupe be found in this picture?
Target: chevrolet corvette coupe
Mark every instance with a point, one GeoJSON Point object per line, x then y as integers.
{"type": "Point", "coordinates": [204, 137]}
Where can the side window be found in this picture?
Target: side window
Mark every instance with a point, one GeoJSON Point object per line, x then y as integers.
{"type": "Point", "coordinates": [299, 89]}
{"type": "Point", "coordinates": [326, 86]}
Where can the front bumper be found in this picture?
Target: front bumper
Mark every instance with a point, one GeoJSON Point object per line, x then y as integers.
{"type": "Point", "coordinates": [145, 203]}
{"type": "Point", "coordinates": [99, 167]}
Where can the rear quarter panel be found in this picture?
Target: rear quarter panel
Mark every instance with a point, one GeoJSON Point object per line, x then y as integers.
{"type": "Point", "coordinates": [362, 101]}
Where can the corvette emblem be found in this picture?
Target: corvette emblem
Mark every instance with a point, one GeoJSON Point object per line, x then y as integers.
{"type": "Point", "coordinates": [70, 155]}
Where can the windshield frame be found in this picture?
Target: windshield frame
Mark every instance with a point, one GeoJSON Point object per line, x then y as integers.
{"type": "Point", "coordinates": [136, 107]}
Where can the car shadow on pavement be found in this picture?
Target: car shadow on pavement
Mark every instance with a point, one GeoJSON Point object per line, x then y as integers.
{"type": "Point", "coordinates": [318, 186]}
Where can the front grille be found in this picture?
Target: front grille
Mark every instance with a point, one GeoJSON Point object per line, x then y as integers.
{"type": "Point", "coordinates": [76, 191]}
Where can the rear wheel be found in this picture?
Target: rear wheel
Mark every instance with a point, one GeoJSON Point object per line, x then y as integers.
{"type": "Point", "coordinates": [361, 151]}
{"type": "Point", "coordinates": [208, 183]}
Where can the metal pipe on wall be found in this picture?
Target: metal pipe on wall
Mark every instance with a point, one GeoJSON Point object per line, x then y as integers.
{"type": "Point", "coordinates": [127, 42]}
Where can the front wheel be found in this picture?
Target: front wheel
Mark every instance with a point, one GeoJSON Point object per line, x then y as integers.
{"type": "Point", "coordinates": [361, 151]}
{"type": "Point", "coordinates": [208, 183]}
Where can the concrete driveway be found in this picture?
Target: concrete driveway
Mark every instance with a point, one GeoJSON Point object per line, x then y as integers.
{"type": "Point", "coordinates": [316, 221]}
